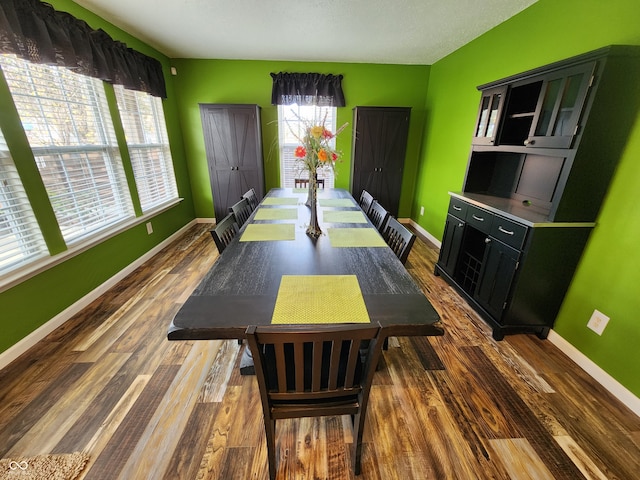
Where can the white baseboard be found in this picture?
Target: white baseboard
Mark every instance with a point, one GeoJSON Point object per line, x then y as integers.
{"type": "Point", "coordinates": [598, 374]}
{"type": "Point", "coordinates": [423, 232]}
{"type": "Point", "coordinates": [206, 220]}
{"type": "Point", "coordinates": [41, 332]}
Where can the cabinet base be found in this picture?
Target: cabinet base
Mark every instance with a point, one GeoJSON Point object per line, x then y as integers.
{"type": "Point", "coordinates": [499, 330]}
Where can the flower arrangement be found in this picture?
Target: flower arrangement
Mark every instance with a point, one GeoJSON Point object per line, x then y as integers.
{"type": "Point", "coordinates": [315, 151]}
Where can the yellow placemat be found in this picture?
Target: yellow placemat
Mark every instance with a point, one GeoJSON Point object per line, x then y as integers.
{"type": "Point", "coordinates": [276, 214]}
{"type": "Point", "coordinates": [264, 232]}
{"type": "Point", "coordinates": [343, 216]}
{"type": "Point", "coordinates": [312, 299]}
{"type": "Point", "coordinates": [355, 237]}
{"type": "Point", "coordinates": [335, 202]}
{"type": "Point", "coordinates": [300, 190]}
{"type": "Point", "coordinates": [280, 201]}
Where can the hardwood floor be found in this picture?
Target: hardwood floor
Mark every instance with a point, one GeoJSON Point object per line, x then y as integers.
{"type": "Point", "coordinates": [461, 406]}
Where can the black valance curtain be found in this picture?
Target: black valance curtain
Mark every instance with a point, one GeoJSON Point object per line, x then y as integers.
{"type": "Point", "coordinates": [34, 31]}
{"type": "Point", "coordinates": [307, 89]}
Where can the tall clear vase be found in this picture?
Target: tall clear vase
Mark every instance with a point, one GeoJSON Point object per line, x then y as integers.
{"type": "Point", "coordinates": [313, 230]}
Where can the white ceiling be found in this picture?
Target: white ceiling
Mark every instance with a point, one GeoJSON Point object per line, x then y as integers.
{"type": "Point", "coordinates": [361, 31]}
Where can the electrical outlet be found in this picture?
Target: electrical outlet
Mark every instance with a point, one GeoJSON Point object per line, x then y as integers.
{"type": "Point", "coordinates": [598, 321]}
{"type": "Point", "coordinates": [149, 228]}
{"type": "Point", "coordinates": [421, 210]}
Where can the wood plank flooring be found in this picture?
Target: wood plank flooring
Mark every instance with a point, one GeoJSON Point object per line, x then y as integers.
{"type": "Point", "coordinates": [461, 406]}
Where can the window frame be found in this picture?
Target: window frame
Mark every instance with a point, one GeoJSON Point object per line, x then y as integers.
{"type": "Point", "coordinates": [290, 117]}
{"type": "Point", "coordinates": [70, 131]}
{"type": "Point", "coordinates": [148, 145]}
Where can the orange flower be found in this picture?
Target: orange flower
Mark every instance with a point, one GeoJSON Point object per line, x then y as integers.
{"type": "Point", "coordinates": [322, 155]}
{"type": "Point", "coordinates": [300, 152]}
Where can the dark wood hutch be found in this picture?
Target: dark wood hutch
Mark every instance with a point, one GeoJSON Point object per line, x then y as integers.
{"type": "Point", "coordinates": [544, 149]}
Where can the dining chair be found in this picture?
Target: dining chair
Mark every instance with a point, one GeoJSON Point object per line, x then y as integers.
{"type": "Point", "coordinates": [304, 183]}
{"type": "Point", "coordinates": [378, 215]}
{"type": "Point", "coordinates": [301, 183]}
{"type": "Point", "coordinates": [224, 232]}
{"type": "Point", "coordinates": [251, 196]}
{"type": "Point", "coordinates": [366, 199]}
{"type": "Point", "coordinates": [314, 371]}
{"type": "Point", "coordinates": [399, 238]}
{"type": "Point", "coordinates": [242, 211]}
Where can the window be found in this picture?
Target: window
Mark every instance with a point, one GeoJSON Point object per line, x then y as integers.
{"type": "Point", "coordinates": [67, 122]}
{"type": "Point", "coordinates": [292, 120]}
{"type": "Point", "coordinates": [144, 126]}
{"type": "Point", "coordinates": [20, 237]}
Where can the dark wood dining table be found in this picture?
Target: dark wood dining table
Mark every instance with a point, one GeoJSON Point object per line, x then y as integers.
{"type": "Point", "coordinates": [241, 287]}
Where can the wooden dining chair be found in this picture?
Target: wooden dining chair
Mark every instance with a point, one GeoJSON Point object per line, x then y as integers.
{"type": "Point", "coordinates": [366, 199]}
{"type": "Point", "coordinates": [301, 183]}
{"type": "Point", "coordinates": [314, 371]}
{"type": "Point", "coordinates": [378, 215]}
{"type": "Point", "coordinates": [242, 211]}
{"type": "Point", "coordinates": [399, 238]}
{"type": "Point", "coordinates": [251, 196]}
{"type": "Point", "coordinates": [304, 183]}
{"type": "Point", "coordinates": [224, 232]}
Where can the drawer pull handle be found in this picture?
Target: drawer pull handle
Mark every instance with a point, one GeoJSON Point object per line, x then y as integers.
{"type": "Point", "coordinates": [480, 219]}
{"type": "Point", "coordinates": [457, 208]}
{"type": "Point", "coordinates": [507, 232]}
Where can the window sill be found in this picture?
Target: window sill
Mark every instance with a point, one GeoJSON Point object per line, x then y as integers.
{"type": "Point", "coordinates": [13, 278]}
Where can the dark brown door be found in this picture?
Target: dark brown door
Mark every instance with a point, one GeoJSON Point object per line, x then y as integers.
{"type": "Point", "coordinates": [233, 145]}
{"type": "Point", "coordinates": [379, 147]}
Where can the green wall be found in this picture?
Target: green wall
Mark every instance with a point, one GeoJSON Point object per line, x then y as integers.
{"type": "Point", "coordinates": [609, 274]}
{"type": "Point", "coordinates": [30, 304]}
{"type": "Point", "coordinates": [237, 81]}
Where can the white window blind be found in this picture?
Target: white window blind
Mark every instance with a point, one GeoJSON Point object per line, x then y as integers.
{"type": "Point", "coordinates": [292, 121]}
{"type": "Point", "coordinates": [146, 132]}
{"type": "Point", "coordinates": [69, 128]}
{"type": "Point", "coordinates": [20, 239]}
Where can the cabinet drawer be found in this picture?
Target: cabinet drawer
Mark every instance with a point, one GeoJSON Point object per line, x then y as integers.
{"type": "Point", "coordinates": [479, 218]}
{"type": "Point", "coordinates": [458, 208]}
{"type": "Point", "coordinates": [509, 232]}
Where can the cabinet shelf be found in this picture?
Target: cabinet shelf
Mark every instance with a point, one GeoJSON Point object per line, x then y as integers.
{"type": "Point", "coordinates": [522, 115]}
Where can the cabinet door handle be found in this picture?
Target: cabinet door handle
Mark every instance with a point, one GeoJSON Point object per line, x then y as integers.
{"type": "Point", "coordinates": [457, 208]}
{"type": "Point", "coordinates": [507, 232]}
{"type": "Point", "coordinates": [460, 225]}
{"type": "Point", "coordinates": [480, 219]}
{"type": "Point", "coordinates": [487, 240]}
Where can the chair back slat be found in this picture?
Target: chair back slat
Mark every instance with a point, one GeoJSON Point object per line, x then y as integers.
{"type": "Point", "coordinates": [334, 368]}
{"type": "Point", "coordinates": [280, 367]}
{"type": "Point", "coordinates": [299, 366]}
{"type": "Point", "coordinates": [316, 367]}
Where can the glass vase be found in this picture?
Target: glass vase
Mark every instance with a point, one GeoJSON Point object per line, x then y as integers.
{"type": "Point", "coordinates": [313, 230]}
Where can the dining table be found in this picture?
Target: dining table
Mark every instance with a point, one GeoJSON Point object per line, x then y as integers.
{"type": "Point", "coordinates": [272, 272]}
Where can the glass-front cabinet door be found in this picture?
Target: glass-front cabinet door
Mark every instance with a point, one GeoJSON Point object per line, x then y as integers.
{"type": "Point", "coordinates": [489, 116]}
{"type": "Point", "coordinates": [559, 107]}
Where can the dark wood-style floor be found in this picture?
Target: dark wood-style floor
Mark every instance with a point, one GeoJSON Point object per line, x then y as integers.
{"type": "Point", "coordinates": [460, 406]}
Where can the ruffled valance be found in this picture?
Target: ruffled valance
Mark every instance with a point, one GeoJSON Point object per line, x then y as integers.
{"type": "Point", "coordinates": [36, 32]}
{"type": "Point", "coordinates": [307, 89]}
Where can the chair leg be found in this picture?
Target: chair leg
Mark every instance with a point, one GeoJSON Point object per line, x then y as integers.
{"type": "Point", "coordinates": [358, 427]}
{"type": "Point", "coordinates": [270, 432]}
